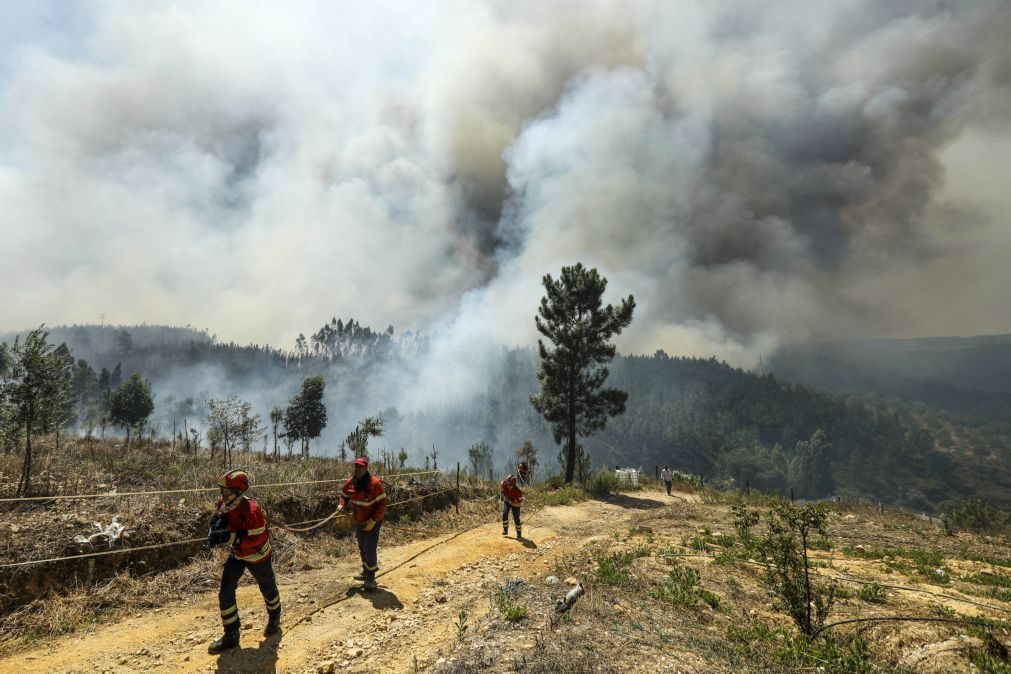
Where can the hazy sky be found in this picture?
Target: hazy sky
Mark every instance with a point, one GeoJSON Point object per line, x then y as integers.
{"type": "Point", "coordinates": [754, 172]}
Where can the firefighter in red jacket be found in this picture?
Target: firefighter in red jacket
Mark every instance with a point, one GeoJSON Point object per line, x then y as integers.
{"type": "Point", "coordinates": [365, 494]}
{"type": "Point", "coordinates": [241, 524]}
{"type": "Point", "coordinates": [512, 499]}
{"type": "Point", "coordinates": [522, 471]}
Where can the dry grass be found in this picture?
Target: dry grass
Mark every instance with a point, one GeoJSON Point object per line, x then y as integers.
{"type": "Point", "coordinates": [624, 624]}
{"type": "Point", "coordinates": [46, 529]}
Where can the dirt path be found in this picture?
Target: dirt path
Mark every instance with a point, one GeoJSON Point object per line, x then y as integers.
{"type": "Point", "coordinates": [331, 626]}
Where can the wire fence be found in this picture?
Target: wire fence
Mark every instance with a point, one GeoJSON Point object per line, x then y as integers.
{"type": "Point", "coordinates": [272, 522]}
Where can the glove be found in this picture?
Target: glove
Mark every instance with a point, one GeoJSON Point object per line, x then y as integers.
{"type": "Point", "coordinates": [218, 533]}
{"type": "Point", "coordinates": [369, 525]}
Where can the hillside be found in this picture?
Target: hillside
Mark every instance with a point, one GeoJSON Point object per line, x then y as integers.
{"type": "Point", "coordinates": [671, 584]}
{"type": "Point", "coordinates": [969, 375]}
{"type": "Point", "coordinates": [735, 428]}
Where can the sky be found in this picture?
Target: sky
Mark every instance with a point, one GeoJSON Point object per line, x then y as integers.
{"type": "Point", "coordinates": [755, 173]}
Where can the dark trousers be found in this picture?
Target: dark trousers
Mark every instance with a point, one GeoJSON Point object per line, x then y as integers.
{"type": "Point", "coordinates": [506, 507]}
{"type": "Point", "coordinates": [669, 483]}
{"type": "Point", "coordinates": [262, 572]}
{"type": "Point", "coordinates": [368, 548]}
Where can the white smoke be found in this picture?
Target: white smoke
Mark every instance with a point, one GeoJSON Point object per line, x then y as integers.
{"type": "Point", "coordinates": [752, 172]}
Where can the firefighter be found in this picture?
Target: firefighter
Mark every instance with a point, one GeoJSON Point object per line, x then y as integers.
{"type": "Point", "coordinates": [364, 492]}
{"type": "Point", "coordinates": [512, 499]}
{"type": "Point", "coordinates": [521, 473]}
{"type": "Point", "coordinates": [241, 524]}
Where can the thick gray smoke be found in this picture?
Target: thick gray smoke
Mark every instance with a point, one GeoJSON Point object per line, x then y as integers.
{"type": "Point", "coordinates": [754, 172]}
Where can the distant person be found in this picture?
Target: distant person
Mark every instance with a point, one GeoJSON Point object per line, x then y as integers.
{"type": "Point", "coordinates": [512, 499]}
{"type": "Point", "coordinates": [240, 523]}
{"type": "Point", "coordinates": [522, 471]}
{"type": "Point", "coordinates": [667, 478]}
{"type": "Point", "coordinates": [364, 492]}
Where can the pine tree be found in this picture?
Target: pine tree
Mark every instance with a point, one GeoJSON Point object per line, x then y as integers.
{"type": "Point", "coordinates": [131, 404]}
{"type": "Point", "coordinates": [572, 374]}
{"type": "Point", "coordinates": [305, 416]}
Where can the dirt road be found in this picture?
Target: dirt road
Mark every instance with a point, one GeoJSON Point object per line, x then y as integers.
{"type": "Point", "coordinates": [329, 625]}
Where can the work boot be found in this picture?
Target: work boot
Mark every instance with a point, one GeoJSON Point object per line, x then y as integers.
{"type": "Point", "coordinates": [519, 532]}
{"type": "Point", "coordinates": [230, 639]}
{"type": "Point", "coordinates": [370, 585]}
{"type": "Point", "coordinates": [360, 575]}
{"type": "Point", "coordinates": [505, 531]}
{"type": "Point", "coordinates": [273, 624]}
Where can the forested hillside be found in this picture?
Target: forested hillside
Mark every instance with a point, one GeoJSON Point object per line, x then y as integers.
{"type": "Point", "coordinates": [697, 415]}
{"type": "Point", "coordinates": [968, 375]}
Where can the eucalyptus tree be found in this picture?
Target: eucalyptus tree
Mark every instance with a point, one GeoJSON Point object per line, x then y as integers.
{"type": "Point", "coordinates": [34, 390]}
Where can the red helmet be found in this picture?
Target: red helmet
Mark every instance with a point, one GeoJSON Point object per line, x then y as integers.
{"type": "Point", "coordinates": [510, 479]}
{"type": "Point", "coordinates": [235, 479]}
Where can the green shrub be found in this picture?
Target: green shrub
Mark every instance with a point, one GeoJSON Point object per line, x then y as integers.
{"type": "Point", "coordinates": [510, 611]}
{"type": "Point", "coordinates": [565, 495]}
{"type": "Point", "coordinates": [977, 516]}
{"type": "Point", "coordinates": [678, 588]}
{"type": "Point", "coordinates": [611, 568]}
{"type": "Point", "coordinates": [873, 593]}
{"type": "Point", "coordinates": [602, 483]}
{"type": "Point", "coordinates": [788, 575]}
{"type": "Point", "coordinates": [833, 654]}
{"type": "Point", "coordinates": [744, 520]}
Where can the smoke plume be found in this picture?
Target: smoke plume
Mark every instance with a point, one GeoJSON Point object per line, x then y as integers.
{"type": "Point", "coordinates": [755, 173]}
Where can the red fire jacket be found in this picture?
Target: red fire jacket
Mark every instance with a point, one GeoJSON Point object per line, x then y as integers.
{"type": "Point", "coordinates": [366, 504]}
{"type": "Point", "coordinates": [250, 538]}
{"type": "Point", "coordinates": [512, 493]}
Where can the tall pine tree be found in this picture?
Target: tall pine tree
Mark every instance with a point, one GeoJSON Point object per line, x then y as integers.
{"type": "Point", "coordinates": [572, 373]}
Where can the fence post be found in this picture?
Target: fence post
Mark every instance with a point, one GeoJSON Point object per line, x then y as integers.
{"type": "Point", "coordinates": [656, 469]}
{"type": "Point", "coordinates": [490, 478]}
{"type": "Point", "coordinates": [747, 486]}
{"type": "Point", "coordinates": [791, 494]}
{"type": "Point", "coordinates": [457, 487]}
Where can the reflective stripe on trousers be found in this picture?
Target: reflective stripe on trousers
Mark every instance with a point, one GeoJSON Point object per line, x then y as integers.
{"type": "Point", "coordinates": [263, 573]}
{"type": "Point", "coordinates": [368, 548]}
{"type": "Point", "coordinates": [506, 507]}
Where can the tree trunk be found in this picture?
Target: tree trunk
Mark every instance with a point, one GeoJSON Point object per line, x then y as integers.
{"type": "Point", "coordinates": [25, 484]}
{"type": "Point", "coordinates": [570, 467]}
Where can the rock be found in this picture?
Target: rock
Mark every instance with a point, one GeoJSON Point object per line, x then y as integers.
{"type": "Point", "coordinates": [859, 548]}
{"type": "Point", "coordinates": [528, 647]}
{"type": "Point", "coordinates": [551, 580]}
{"type": "Point", "coordinates": [246, 626]}
{"type": "Point", "coordinates": [441, 599]}
{"type": "Point", "coordinates": [186, 658]}
{"type": "Point", "coordinates": [571, 580]}
{"type": "Point", "coordinates": [326, 667]}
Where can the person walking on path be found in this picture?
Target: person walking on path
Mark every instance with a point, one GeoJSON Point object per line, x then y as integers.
{"type": "Point", "coordinates": [364, 492]}
{"type": "Point", "coordinates": [241, 524]}
{"type": "Point", "coordinates": [667, 478]}
{"type": "Point", "coordinates": [512, 499]}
